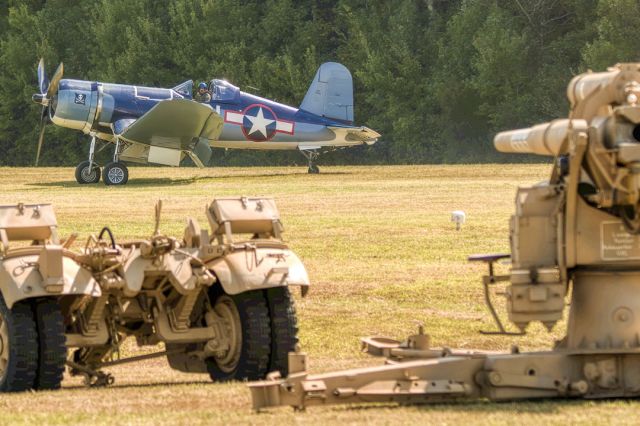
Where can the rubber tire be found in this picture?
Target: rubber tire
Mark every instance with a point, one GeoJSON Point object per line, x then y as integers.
{"type": "Point", "coordinates": [23, 347]}
{"type": "Point", "coordinates": [117, 164]}
{"type": "Point", "coordinates": [284, 328]}
{"type": "Point", "coordinates": [256, 340]}
{"type": "Point", "coordinates": [313, 170]}
{"type": "Point", "coordinates": [95, 177]}
{"type": "Point", "coordinates": [52, 344]}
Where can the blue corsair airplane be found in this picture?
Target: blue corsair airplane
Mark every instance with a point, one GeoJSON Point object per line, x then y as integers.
{"type": "Point", "coordinates": [163, 126]}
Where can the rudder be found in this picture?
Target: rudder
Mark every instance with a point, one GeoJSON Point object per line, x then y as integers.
{"type": "Point", "coordinates": [331, 93]}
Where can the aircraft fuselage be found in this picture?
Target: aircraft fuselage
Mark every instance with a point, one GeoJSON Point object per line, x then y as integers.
{"type": "Point", "coordinates": [250, 122]}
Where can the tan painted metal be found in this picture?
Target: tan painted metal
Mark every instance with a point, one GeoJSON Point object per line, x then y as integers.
{"type": "Point", "coordinates": [42, 268]}
{"type": "Point", "coordinates": [579, 230]}
{"type": "Point", "coordinates": [156, 290]}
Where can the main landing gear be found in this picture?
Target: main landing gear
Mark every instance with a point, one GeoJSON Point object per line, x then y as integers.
{"type": "Point", "coordinates": [311, 156]}
{"type": "Point", "coordinates": [114, 173]}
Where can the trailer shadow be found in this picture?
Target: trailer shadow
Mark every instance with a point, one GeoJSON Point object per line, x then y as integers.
{"type": "Point", "coordinates": [80, 387]}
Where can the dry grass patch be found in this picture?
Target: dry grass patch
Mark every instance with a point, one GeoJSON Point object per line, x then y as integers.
{"type": "Point", "coordinates": [381, 254]}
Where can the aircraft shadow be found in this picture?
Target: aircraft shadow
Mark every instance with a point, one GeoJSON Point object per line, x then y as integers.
{"type": "Point", "coordinates": [164, 181]}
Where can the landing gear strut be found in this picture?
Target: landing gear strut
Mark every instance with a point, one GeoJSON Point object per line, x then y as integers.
{"type": "Point", "coordinates": [114, 173]}
{"type": "Point", "coordinates": [88, 171]}
{"type": "Point", "coordinates": [311, 156]}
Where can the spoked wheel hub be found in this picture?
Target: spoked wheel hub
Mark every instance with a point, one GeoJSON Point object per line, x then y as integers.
{"type": "Point", "coordinates": [115, 173]}
{"type": "Point", "coordinates": [87, 172]}
{"type": "Point", "coordinates": [226, 309]}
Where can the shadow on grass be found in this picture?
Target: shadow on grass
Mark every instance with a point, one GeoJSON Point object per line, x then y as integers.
{"type": "Point", "coordinates": [541, 406]}
{"type": "Point", "coordinates": [164, 181]}
{"type": "Point", "coordinates": [140, 385]}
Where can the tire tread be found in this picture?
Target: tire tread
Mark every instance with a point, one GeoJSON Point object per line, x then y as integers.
{"type": "Point", "coordinates": [52, 345]}
{"type": "Point", "coordinates": [284, 328]}
{"type": "Point", "coordinates": [256, 340]}
{"type": "Point", "coordinates": [23, 347]}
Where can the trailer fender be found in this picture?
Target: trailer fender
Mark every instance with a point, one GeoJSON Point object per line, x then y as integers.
{"type": "Point", "coordinates": [43, 271]}
{"type": "Point", "coordinates": [258, 269]}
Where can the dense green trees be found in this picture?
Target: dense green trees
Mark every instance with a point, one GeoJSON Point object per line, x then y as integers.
{"type": "Point", "coordinates": [436, 77]}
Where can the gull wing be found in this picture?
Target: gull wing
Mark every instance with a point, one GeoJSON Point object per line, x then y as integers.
{"type": "Point", "coordinates": [174, 124]}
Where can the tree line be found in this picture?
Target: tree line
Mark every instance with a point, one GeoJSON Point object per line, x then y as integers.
{"type": "Point", "coordinates": [437, 78]}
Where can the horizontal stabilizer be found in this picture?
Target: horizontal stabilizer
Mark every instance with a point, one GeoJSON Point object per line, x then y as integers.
{"type": "Point", "coordinates": [331, 93]}
{"type": "Point", "coordinates": [356, 134]}
{"type": "Point", "coordinates": [175, 124]}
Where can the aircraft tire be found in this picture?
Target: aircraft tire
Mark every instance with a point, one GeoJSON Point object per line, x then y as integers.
{"type": "Point", "coordinates": [52, 345]}
{"type": "Point", "coordinates": [87, 172]}
{"type": "Point", "coordinates": [247, 316]}
{"type": "Point", "coordinates": [284, 328]}
{"type": "Point", "coordinates": [314, 170]}
{"type": "Point", "coordinates": [19, 347]}
{"type": "Point", "coordinates": [115, 173]}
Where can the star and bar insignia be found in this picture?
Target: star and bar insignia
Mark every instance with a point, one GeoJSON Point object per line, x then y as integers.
{"type": "Point", "coordinates": [259, 122]}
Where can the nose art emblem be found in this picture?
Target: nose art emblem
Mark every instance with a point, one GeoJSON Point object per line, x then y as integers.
{"type": "Point", "coordinates": [80, 98]}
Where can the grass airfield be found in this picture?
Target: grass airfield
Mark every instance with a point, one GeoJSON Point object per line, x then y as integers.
{"type": "Point", "coordinates": [381, 253]}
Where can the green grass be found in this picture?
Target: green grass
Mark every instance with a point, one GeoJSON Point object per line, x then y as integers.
{"type": "Point", "coordinates": [381, 253]}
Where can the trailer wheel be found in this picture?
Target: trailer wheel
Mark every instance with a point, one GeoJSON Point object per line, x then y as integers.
{"type": "Point", "coordinates": [52, 345]}
{"type": "Point", "coordinates": [18, 347]}
{"type": "Point", "coordinates": [247, 322]}
{"type": "Point", "coordinates": [284, 328]}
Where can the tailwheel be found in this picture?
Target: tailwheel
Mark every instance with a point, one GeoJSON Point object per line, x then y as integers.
{"type": "Point", "coordinates": [87, 172]}
{"type": "Point", "coordinates": [284, 328]}
{"type": "Point", "coordinates": [246, 319]}
{"type": "Point", "coordinates": [115, 173]}
{"type": "Point", "coordinates": [18, 347]}
{"type": "Point", "coordinates": [311, 155]}
{"type": "Point", "coordinates": [52, 345]}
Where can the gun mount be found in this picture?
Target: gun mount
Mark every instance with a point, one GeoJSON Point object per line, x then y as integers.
{"type": "Point", "coordinates": [579, 230]}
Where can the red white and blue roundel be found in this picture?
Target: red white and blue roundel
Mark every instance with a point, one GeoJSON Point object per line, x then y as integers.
{"type": "Point", "coordinates": [259, 122]}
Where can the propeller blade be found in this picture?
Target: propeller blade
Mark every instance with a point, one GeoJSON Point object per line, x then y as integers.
{"type": "Point", "coordinates": [55, 80]}
{"type": "Point", "coordinates": [43, 81]}
{"type": "Point", "coordinates": [40, 141]}
{"type": "Point", "coordinates": [43, 124]}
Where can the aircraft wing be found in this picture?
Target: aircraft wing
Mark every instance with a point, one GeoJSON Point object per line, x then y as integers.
{"type": "Point", "coordinates": [356, 134]}
{"type": "Point", "coordinates": [173, 124]}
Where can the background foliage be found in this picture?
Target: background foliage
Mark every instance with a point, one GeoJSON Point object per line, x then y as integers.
{"type": "Point", "coordinates": [436, 77]}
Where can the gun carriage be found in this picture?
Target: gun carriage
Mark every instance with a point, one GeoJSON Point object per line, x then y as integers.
{"type": "Point", "coordinates": [578, 230]}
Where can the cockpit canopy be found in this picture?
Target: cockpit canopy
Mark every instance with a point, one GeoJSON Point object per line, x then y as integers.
{"type": "Point", "coordinates": [223, 91]}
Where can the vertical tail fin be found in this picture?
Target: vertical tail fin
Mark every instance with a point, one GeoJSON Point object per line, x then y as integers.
{"type": "Point", "coordinates": [331, 93]}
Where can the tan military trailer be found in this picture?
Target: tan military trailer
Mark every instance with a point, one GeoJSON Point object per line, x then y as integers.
{"type": "Point", "coordinates": [218, 299]}
{"type": "Point", "coordinates": [580, 230]}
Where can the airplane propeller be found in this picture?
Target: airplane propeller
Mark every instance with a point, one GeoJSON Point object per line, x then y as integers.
{"type": "Point", "coordinates": [48, 91]}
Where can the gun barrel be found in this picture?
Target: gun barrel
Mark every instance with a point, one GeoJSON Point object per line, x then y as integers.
{"type": "Point", "coordinates": [542, 139]}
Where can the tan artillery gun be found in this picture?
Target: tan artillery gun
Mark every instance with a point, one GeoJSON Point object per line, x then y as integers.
{"type": "Point", "coordinates": [217, 299]}
{"type": "Point", "coordinates": [579, 229]}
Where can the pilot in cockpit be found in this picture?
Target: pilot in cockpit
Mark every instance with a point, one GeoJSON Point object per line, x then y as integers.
{"type": "Point", "coordinates": [203, 94]}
